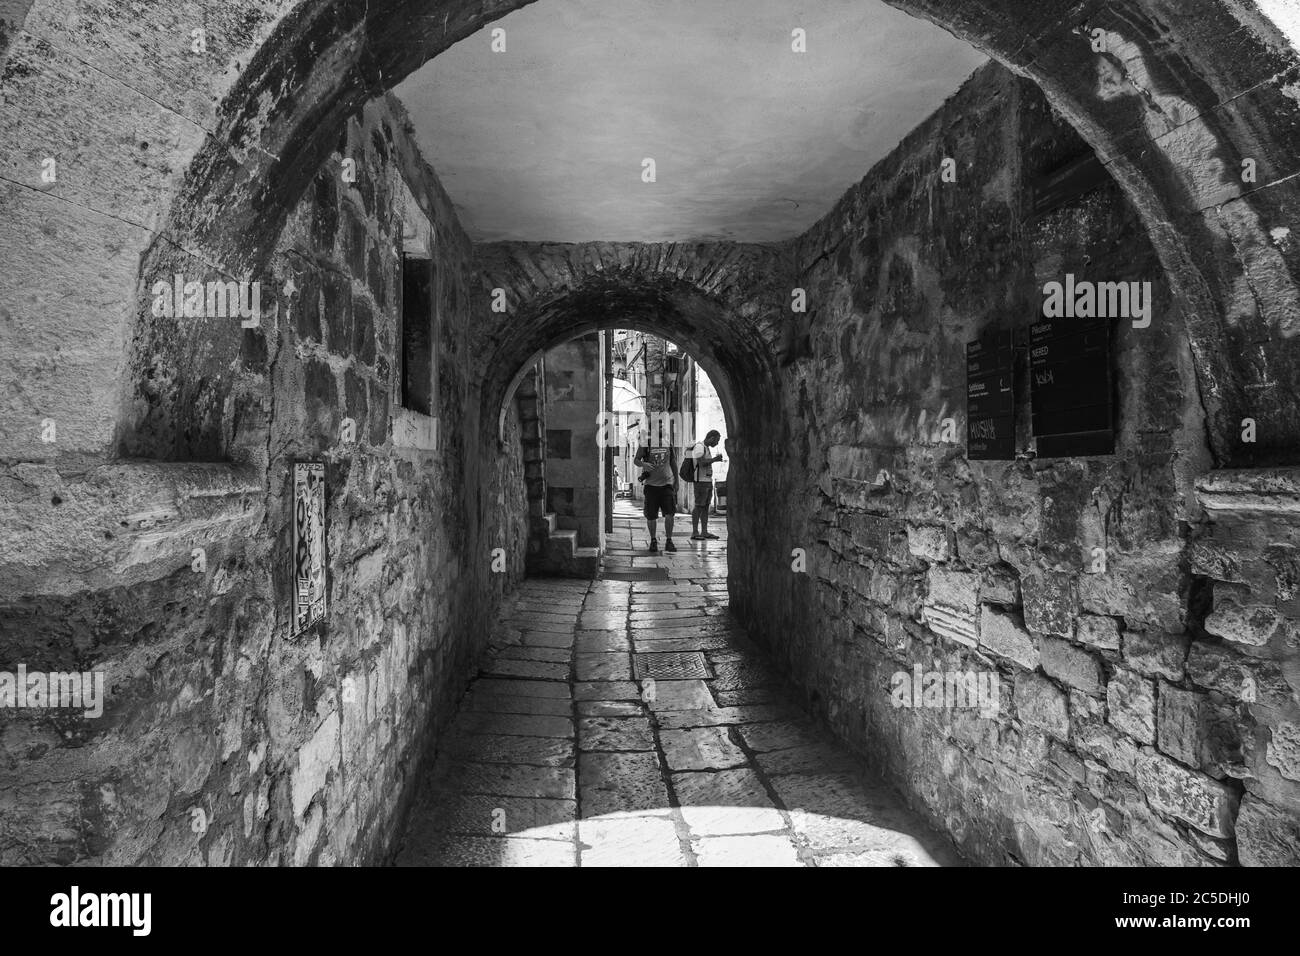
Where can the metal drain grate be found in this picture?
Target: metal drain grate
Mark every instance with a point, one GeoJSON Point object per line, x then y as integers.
{"type": "Point", "coordinates": [678, 665]}
{"type": "Point", "coordinates": [634, 574]}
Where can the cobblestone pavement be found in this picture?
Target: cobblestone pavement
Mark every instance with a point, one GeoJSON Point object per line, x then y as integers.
{"type": "Point", "coordinates": [632, 723]}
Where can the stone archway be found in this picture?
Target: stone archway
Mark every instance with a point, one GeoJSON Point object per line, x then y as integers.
{"type": "Point", "coordinates": [721, 302]}
{"type": "Point", "coordinates": [718, 301]}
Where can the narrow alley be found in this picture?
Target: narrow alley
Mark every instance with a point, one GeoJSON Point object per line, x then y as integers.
{"type": "Point", "coordinates": [354, 357]}
{"type": "Point", "coordinates": [632, 723]}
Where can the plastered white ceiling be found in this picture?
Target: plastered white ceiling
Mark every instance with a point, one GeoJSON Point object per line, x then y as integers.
{"type": "Point", "coordinates": [751, 140]}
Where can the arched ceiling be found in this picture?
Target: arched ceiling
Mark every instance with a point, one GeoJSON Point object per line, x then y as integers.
{"type": "Point", "coordinates": [752, 141]}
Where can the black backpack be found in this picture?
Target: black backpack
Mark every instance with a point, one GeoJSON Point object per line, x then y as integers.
{"type": "Point", "coordinates": [687, 471]}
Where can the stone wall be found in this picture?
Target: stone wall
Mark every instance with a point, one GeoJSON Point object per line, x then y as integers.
{"type": "Point", "coordinates": [1066, 578]}
{"type": "Point", "coordinates": [226, 739]}
{"type": "Point", "coordinates": [574, 399]}
{"type": "Point", "coordinates": [1237, 713]}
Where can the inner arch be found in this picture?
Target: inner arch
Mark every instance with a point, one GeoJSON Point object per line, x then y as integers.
{"type": "Point", "coordinates": [735, 355]}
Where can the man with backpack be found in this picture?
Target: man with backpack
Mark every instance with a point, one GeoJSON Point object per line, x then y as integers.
{"type": "Point", "coordinates": [698, 469]}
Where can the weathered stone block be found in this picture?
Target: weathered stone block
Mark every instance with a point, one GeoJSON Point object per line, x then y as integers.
{"type": "Point", "coordinates": [977, 546]}
{"type": "Point", "coordinates": [1156, 653]}
{"type": "Point", "coordinates": [1000, 585]}
{"type": "Point", "coordinates": [929, 542]}
{"type": "Point", "coordinates": [379, 413]}
{"type": "Point", "coordinates": [1003, 634]}
{"type": "Point", "coordinates": [1250, 625]}
{"type": "Point", "coordinates": [955, 589]}
{"type": "Point", "coordinates": [1131, 703]}
{"type": "Point", "coordinates": [1282, 752]}
{"type": "Point", "coordinates": [363, 330]}
{"type": "Point", "coordinates": [869, 532]}
{"type": "Point", "coordinates": [950, 604]}
{"type": "Point", "coordinates": [1050, 602]}
{"type": "Point", "coordinates": [1042, 704]}
{"type": "Point", "coordinates": [1267, 835]}
{"type": "Point", "coordinates": [1185, 794]}
{"type": "Point", "coordinates": [315, 759]}
{"type": "Point", "coordinates": [1148, 591]}
{"type": "Point", "coordinates": [1219, 667]}
{"type": "Point", "coordinates": [1071, 665]}
{"type": "Point", "coordinates": [336, 311]}
{"type": "Point", "coordinates": [1283, 561]}
{"type": "Point", "coordinates": [1178, 723]}
{"type": "Point", "coordinates": [1095, 738]}
{"type": "Point", "coordinates": [307, 313]}
{"type": "Point", "coordinates": [1097, 631]}
{"type": "Point", "coordinates": [1212, 560]}
{"type": "Point", "coordinates": [322, 403]}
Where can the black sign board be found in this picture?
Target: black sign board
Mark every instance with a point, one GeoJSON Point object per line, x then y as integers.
{"type": "Point", "coordinates": [1071, 387]}
{"type": "Point", "coordinates": [990, 399]}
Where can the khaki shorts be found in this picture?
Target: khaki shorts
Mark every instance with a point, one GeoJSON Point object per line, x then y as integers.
{"type": "Point", "coordinates": [703, 493]}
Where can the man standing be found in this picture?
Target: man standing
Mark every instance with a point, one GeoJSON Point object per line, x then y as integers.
{"type": "Point", "coordinates": [704, 459]}
{"type": "Point", "coordinates": [660, 477]}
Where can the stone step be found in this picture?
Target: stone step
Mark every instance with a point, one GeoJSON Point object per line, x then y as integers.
{"type": "Point", "coordinates": [565, 543]}
{"type": "Point", "coordinates": [544, 524]}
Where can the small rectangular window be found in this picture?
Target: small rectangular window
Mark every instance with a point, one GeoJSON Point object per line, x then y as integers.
{"type": "Point", "coordinates": [417, 335]}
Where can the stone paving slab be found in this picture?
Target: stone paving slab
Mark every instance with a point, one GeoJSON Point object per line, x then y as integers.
{"type": "Point", "coordinates": [726, 802]}
{"type": "Point", "coordinates": [521, 725]}
{"type": "Point", "coordinates": [506, 780]}
{"type": "Point", "coordinates": [615, 733]}
{"type": "Point", "coordinates": [548, 638]}
{"type": "Point", "coordinates": [660, 598]}
{"type": "Point", "coordinates": [614, 782]}
{"type": "Point", "coordinates": [679, 695]}
{"type": "Point", "coordinates": [660, 640]}
{"type": "Point", "coordinates": [734, 675]}
{"type": "Point", "coordinates": [749, 695]}
{"type": "Point", "coordinates": [500, 748]}
{"type": "Point", "coordinates": [595, 642]}
{"type": "Point", "coordinates": [490, 816]}
{"type": "Point", "coordinates": [609, 708]}
{"type": "Point", "coordinates": [454, 849]}
{"type": "Point", "coordinates": [508, 667]}
{"type": "Point", "coordinates": [524, 688]}
{"type": "Point", "coordinates": [700, 748]}
{"type": "Point", "coordinates": [647, 603]}
{"type": "Point", "coordinates": [603, 666]}
{"type": "Point", "coordinates": [521, 652]}
{"type": "Point", "coordinates": [815, 758]}
{"type": "Point", "coordinates": [717, 716]}
{"type": "Point", "coordinates": [763, 850]}
{"type": "Point", "coordinates": [560, 623]}
{"type": "Point", "coordinates": [630, 841]}
{"type": "Point", "coordinates": [781, 734]}
{"type": "Point", "coordinates": [678, 616]}
{"type": "Point", "coordinates": [905, 851]}
{"type": "Point", "coordinates": [603, 620]}
{"type": "Point", "coordinates": [501, 704]}
{"type": "Point", "coordinates": [606, 690]}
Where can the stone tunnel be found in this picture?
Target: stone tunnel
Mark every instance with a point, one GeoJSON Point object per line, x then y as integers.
{"type": "Point", "coordinates": [1006, 336]}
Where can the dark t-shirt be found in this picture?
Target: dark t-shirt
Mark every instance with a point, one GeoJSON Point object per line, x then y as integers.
{"type": "Point", "coordinates": [658, 463]}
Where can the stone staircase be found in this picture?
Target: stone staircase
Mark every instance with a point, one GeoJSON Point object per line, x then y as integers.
{"type": "Point", "coordinates": [558, 551]}
{"type": "Point", "coordinates": [550, 549]}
